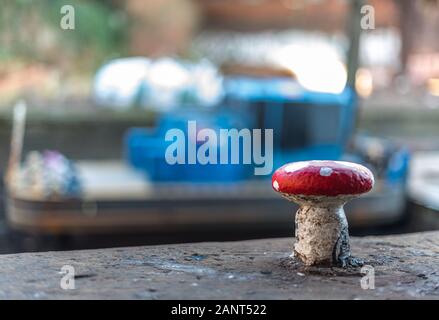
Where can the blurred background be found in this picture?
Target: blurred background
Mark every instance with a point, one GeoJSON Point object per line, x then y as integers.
{"type": "Point", "coordinates": [101, 95]}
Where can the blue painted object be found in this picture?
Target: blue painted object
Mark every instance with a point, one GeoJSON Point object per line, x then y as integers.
{"type": "Point", "coordinates": [146, 149]}
{"type": "Point", "coordinates": [398, 166]}
{"type": "Point", "coordinates": [306, 125]}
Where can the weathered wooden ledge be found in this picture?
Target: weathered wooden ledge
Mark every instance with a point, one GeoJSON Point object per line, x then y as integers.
{"type": "Point", "coordinates": [406, 267]}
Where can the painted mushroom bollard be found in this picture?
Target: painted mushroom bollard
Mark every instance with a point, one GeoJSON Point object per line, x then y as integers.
{"type": "Point", "coordinates": [321, 188]}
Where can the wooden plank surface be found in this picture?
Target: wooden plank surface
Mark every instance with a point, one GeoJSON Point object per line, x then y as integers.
{"type": "Point", "coordinates": [405, 266]}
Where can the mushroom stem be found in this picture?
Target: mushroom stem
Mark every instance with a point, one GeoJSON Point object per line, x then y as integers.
{"type": "Point", "coordinates": [322, 236]}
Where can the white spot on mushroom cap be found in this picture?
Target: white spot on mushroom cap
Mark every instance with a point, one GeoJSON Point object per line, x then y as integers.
{"type": "Point", "coordinates": [325, 171]}
{"type": "Point", "coordinates": [276, 185]}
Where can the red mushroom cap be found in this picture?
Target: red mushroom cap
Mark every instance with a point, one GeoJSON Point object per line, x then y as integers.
{"type": "Point", "coordinates": [322, 178]}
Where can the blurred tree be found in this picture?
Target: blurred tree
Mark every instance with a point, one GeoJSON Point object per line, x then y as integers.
{"type": "Point", "coordinates": [30, 31]}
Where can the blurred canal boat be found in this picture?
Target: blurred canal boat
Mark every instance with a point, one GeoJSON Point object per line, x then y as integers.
{"type": "Point", "coordinates": [117, 199]}
{"type": "Point", "coordinates": [148, 195]}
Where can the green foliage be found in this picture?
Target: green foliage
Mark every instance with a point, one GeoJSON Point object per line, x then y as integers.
{"type": "Point", "coordinates": [99, 34]}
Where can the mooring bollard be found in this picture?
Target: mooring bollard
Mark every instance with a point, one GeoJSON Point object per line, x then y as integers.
{"type": "Point", "coordinates": [321, 188]}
